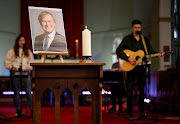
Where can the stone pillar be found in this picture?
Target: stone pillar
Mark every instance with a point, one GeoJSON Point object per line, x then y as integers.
{"type": "Point", "coordinates": [165, 32]}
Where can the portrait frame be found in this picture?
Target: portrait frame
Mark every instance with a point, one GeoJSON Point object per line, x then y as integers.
{"type": "Point", "coordinates": [36, 28]}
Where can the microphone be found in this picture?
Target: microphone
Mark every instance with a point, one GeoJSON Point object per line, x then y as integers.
{"type": "Point", "coordinates": [20, 67]}
{"type": "Point", "coordinates": [139, 32]}
{"type": "Point", "coordinates": [23, 45]}
{"type": "Point", "coordinates": [144, 59]}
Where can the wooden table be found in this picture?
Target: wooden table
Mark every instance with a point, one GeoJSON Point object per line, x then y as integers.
{"type": "Point", "coordinates": [74, 76]}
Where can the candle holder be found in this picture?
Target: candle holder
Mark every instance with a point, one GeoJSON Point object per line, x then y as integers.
{"type": "Point", "coordinates": [87, 59]}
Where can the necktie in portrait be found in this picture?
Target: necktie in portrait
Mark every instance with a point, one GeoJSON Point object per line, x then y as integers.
{"type": "Point", "coordinates": [46, 43]}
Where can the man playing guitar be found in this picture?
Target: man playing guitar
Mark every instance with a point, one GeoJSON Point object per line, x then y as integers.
{"type": "Point", "coordinates": [134, 42]}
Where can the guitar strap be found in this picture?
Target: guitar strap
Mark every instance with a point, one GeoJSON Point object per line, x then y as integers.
{"type": "Point", "coordinates": [142, 37]}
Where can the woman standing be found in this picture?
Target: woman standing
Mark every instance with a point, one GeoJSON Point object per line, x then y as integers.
{"type": "Point", "coordinates": [18, 62]}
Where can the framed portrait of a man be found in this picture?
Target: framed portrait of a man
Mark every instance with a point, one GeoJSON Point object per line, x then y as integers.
{"type": "Point", "coordinates": [47, 30]}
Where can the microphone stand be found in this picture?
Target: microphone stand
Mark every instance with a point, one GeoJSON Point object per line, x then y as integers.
{"type": "Point", "coordinates": [146, 66]}
{"type": "Point", "coordinates": [146, 105]}
{"type": "Point", "coordinates": [21, 76]}
{"type": "Point", "coordinates": [21, 80]}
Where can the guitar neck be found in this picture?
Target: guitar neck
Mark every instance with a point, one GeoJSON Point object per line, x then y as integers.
{"type": "Point", "coordinates": [154, 55]}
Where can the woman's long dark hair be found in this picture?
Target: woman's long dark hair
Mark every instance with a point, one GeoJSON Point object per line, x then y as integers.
{"type": "Point", "coordinates": [16, 46]}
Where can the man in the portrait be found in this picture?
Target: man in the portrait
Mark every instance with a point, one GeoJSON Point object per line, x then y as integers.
{"type": "Point", "coordinates": [50, 40]}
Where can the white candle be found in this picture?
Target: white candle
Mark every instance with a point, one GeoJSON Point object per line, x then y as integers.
{"type": "Point", "coordinates": [86, 42]}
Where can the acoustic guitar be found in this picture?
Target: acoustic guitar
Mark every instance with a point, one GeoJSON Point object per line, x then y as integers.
{"type": "Point", "coordinates": [138, 56]}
